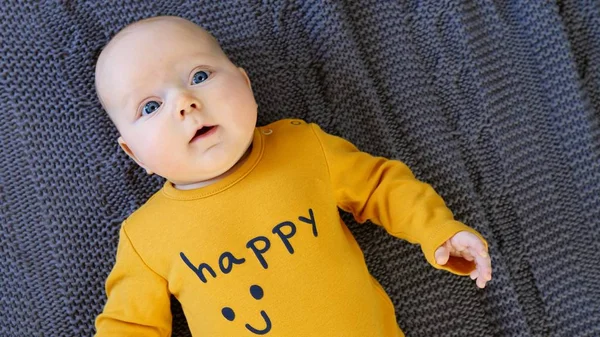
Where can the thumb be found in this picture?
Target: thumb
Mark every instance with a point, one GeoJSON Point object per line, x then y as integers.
{"type": "Point", "coordinates": [442, 255]}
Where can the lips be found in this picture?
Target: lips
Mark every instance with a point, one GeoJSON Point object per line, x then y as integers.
{"type": "Point", "coordinates": [204, 132]}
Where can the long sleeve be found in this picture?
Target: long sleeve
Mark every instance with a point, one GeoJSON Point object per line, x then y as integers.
{"type": "Point", "coordinates": [138, 301]}
{"type": "Point", "coordinates": [386, 192]}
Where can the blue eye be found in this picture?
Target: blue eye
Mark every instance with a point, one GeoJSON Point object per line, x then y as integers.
{"type": "Point", "coordinates": [200, 76]}
{"type": "Point", "coordinates": [150, 107]}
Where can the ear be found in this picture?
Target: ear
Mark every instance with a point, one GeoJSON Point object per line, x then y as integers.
{"type": "Point", "coordinates": [245, 76]}
{"type": "Point", "coordinates": [131, 155]}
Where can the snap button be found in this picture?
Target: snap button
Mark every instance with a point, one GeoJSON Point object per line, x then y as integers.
{"type": "Point", "coordinates": [267, 132]}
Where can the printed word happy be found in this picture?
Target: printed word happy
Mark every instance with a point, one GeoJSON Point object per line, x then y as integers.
{"type": "Point", "coordinates": [257, 247]}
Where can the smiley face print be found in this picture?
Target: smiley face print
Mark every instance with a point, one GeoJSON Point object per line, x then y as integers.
{"type": "Point", "coordinates": [257, 293]}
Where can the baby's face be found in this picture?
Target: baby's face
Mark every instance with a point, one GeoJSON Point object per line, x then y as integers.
{"type": "Point", "coordinates": [183, 110]}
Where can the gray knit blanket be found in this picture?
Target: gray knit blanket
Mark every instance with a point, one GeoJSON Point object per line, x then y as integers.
{"type": "Point", "coordinates": [494, 103]}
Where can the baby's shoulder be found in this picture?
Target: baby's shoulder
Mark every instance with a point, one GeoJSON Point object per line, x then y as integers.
{"type": "Point", "coordinates": [149, 213]}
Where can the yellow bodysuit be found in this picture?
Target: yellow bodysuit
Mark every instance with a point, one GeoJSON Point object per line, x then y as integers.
{"type": "Point", "coordinates": [264, 251]}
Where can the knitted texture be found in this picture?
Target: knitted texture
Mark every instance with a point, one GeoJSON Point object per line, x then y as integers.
{"type": "Point", "coordinates": [494, 103]}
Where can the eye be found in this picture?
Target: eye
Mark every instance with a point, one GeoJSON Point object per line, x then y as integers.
{"type": "Point", "coordinates": [200, 76]}
{"type": "Point", "coordinates": [150, 107]}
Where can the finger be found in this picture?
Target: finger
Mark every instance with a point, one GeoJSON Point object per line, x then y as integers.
{"type": "Point", "coordinates": [481, 282]}
{"type": "Point", "coordinates": [466, 240]}
{"type": "Point", "coordinates": [484, 280]}
{"type": "Point", "coordinates": [474, 274]}
{"type": "Point", "coordinates": [478, 248]}
{"type": "Point", "coordinates": [456, 246]}
{"type": "Point", "coordinates": [442, 255]}
{"type": "Point", "coordinates": [467, 255]}
{"type": "Point", "coordinates": [452, 249]}
{"type": "Point", "coordinates": [483, 265]}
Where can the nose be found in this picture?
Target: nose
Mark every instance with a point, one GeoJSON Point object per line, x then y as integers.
{"type": "Point", "coordinates": [186, 103]}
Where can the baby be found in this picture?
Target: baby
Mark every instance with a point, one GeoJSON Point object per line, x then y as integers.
{"type": "Point", "coordinates": [246, 232]}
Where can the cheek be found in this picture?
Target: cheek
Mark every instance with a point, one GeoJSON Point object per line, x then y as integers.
{"type": "Point", "coordinates": [151, 145]}
{"type": "Point", "coordinates": [235, 95]}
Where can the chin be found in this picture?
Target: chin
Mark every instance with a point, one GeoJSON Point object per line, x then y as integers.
{"type": "Point", "coordinates": [219, 165]}
{"type": "Point", "coordinates": [222, 167]}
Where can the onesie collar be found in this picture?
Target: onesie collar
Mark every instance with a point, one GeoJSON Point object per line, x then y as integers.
{"type": "Point", "coordinates": [256, 152]}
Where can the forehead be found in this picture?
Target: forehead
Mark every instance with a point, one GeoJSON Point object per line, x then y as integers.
{"type": "Point", "coordinates": [161, 41]}
{"type": "Point", "coordinates": [166, 32]}
{"type": "Point", "coordinates": [149, 50]}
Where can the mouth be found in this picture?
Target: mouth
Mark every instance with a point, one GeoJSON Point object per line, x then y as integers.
{"type": "Point", "coordinates": [204, 132]}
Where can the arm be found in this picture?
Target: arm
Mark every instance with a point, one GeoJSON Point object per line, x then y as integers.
{"type": "Point", "coordinates": [387, 193]}
{"type": "Point", "coordinates": [138, 301]}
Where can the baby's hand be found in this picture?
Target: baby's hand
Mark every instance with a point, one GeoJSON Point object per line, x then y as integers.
{"type": "Point", "coordinates": [471, 248]}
